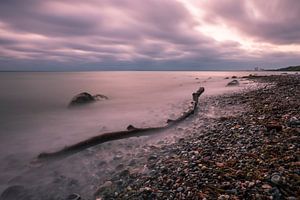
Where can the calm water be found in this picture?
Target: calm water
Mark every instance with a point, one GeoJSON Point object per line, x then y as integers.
{"type": "Point", "coordinates": [34, 116]}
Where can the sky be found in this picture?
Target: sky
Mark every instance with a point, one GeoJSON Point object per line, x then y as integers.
{"type": "Point", "coordinates": [54, 35]}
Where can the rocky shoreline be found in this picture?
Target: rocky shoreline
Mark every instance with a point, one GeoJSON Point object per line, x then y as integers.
{"type": "Point", "coordinates": [252, 154]}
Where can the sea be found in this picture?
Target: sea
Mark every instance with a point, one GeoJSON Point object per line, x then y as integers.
{"type": "Point", "coordinates": [35, 117]}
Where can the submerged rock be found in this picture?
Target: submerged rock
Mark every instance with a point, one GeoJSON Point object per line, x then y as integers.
{"type": "Point", "coordinates": [85, 97]}
{"type": "Point", "coordinates": [233, 83]}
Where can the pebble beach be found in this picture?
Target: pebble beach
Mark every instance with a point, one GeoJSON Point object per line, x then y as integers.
{"type": "Point", "coordinates": [251, 152]}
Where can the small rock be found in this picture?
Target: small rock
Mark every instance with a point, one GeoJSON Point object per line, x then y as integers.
{"type": "Point", "coordinates": [266, 186]}
{"type": "Point", "coordinates": [74, 196]}
{"type": "Point", "coordinates": [131, 128]}
{"type": "Point", "coordinates": [129, 188]}
{"type": "Point", "coordinates": [144, 189]}
{"type": "Point", "coordinates": [220, 164]}
{"type": "Point", "coordinates": [294, 122]}
{"type": "Point", "coordinates": [251, 184]}
{"type": "Point", "coordinates": [274, 126]}
{"type": "Point", "coordinates": [152, 157]}
{"type": "Point", "coordinates": [223, 197]}
{"type": "Point", "coordinates": [276, 179]}
{"type": "Point", "coordinates": [233, 191]}
{"type": "Point", "coordinates": [180, 189]}
{"type": "Point", "coordinates": [233, 83]}
{"type": "Point", "coordinates": [118, 157]}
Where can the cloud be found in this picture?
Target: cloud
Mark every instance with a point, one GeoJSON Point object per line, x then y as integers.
{"type": "Point", "coordinates": [276, 22]}
{"type": "Point", "coordinates": [142, 35]}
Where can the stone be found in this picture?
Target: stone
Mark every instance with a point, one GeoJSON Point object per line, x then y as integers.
{"type": "Point", "coordinates": [232, 191]}
{"type": "Point", "coordinates": [84, 98]}
{"type": "Point", "coordinates": [274, 126]}
{"type": "Point", "coordinates": [223, 197]}
{"type": "Point", "coordinates": [179, 189]}
{"type": "Point", "coordinates": [219, 164]}
{"type": "Point", "coordinates": [145, 189]}
{"type": "Point", "coordinates": [294, 122]}
{"type": "Point", "coordinates": [74, 196]}
{"type": "Point", "coordinates": [233, 83]}
{"type": "Point", "coordinates": [152, 157]}
{"type": "Point", "coordinates": [117, 157]}
{"type": "Point", "coordinates": [276, 179]}
{"type": "Point", "coordinates": [266, 186]}
{"type": "Point", "coordinates": [131, 128]}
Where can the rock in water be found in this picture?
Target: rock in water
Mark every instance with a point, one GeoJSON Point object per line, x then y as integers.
{"type": "Point", "coordinates": [233, 83]}
{"type": "Point", "coordinates": [85, 97]}
{"type": "Point", "coordinates": [82, 98]}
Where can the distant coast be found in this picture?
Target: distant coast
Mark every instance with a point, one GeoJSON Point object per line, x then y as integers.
{"type": "Point", "coordinates": [290, 68]}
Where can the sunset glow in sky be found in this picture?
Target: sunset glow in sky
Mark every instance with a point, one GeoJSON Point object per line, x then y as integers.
{"type": "Point", "coordinates": [148, 34]}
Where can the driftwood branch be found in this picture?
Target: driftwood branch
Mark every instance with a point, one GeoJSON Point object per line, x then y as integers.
{"type": "Point", "coordinates": [130, 132]}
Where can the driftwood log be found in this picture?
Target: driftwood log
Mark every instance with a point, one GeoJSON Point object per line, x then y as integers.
{"type": "Point", "coordinates": [130, 132]}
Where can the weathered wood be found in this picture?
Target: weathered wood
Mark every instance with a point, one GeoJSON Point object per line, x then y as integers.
{"type": "Point", "coordinates": [130, 132]}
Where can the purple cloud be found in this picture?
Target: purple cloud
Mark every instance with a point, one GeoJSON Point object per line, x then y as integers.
{"type": "Point", "coordinates": [132, 34]}
{"type": "Point", "coordinates": [275, 22]}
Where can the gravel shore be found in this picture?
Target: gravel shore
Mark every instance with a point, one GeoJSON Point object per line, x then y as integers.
{"type": "Point", "coordinates": [250, 154]}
